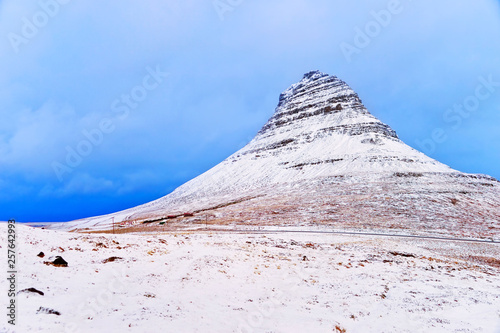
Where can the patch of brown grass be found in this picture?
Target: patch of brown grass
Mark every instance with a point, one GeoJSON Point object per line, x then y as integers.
{"type": "Point", "coordinates": [490, 261]}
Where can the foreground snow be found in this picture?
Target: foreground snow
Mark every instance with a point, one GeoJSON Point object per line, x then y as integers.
{"type": "Point", "coordinates": [235, 282]}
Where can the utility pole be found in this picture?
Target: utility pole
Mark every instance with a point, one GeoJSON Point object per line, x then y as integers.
{"type": "Point", "coordinates": [113, 225]}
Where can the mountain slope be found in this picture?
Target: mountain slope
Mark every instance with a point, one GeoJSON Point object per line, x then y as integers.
{"type": "Point", "coordinates": [323, 158]}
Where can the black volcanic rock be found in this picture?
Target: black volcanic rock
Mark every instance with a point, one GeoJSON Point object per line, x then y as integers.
{"type": "Point", "coordinates": [58, 262]}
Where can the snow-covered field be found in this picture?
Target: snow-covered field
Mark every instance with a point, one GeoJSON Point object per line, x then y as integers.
{"type": "Point", "coordinates": [236, 282]}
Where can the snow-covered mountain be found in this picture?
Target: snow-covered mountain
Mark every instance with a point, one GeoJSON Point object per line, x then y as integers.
{"type": "Point", "coordinates": [323, 158]}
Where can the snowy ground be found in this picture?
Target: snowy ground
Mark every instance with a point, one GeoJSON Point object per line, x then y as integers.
{"type": "Point", "coordinates": [235, 282]}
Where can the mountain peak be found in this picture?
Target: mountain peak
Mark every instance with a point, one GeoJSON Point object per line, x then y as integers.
{"type": "Point", "coordinates": [314, 75]}
{"type": "Point", "coordinates": [321, 99]}
{"type": "Point", "coordinates": [308, 79]}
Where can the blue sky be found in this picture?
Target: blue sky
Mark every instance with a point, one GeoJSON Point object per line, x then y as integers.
{"type": "Point", "coordinates": [67, 68]}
